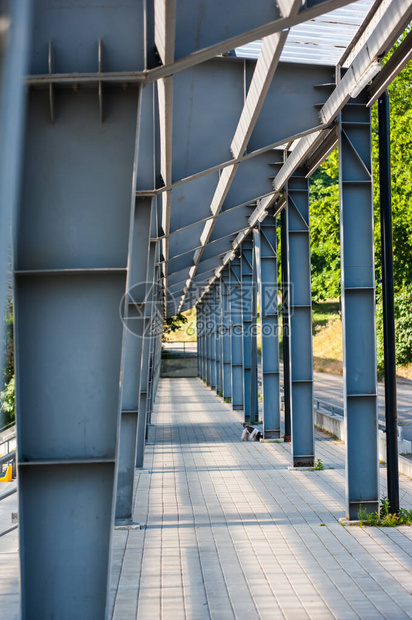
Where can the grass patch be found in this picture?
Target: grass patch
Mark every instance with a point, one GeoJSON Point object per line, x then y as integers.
{"type": "Point", "coordinates": [322, 313]}
{"type": "Point", "coordinates": [385, 518]}
{"type": "Point", "coordinates": [327, 339]}
{"type": "Point", "coordinates": [319, 465]}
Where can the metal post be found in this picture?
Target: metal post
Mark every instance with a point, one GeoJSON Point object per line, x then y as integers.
{"type": "Point", "coordinates": [225, 323]}
{"type": "Point", "coordinates": [300, 299]}
{"type": "Point", "coordinates": [204, 343]}
{"type": "Point", "coordinates": [144, 375]}
{"type": "Point", "coordinates": [236, 333]}
{"type": "Point", "coordinates": [209, 326]}
{"type": "Point", "coordinates": [287, 389]}
{"type": "Point", "coordinates": [198, 341]}
{"type": "Point", "coordinates": [391, 414]}
{"type": "Point", "coordinates": [14, 57]}
{"type": "Point", "coordinates": [134, 326]}
{"type": "Point", "coordinates": [156, 325]}
{"type": "Point", "coordinates": [254, 394]}
{"type": "Point", "coordinates": [218, 336]}
{"type": "Point", "coordinates": [267, 275]}
{"type": "Point", "coordinates": [213, 376]}
{"type": "Point", "coordinates": [246, 259]}
{"type": "Point", "coordinates": [70, 274]}
{"type": "Point", "coordinates": [358, 310]}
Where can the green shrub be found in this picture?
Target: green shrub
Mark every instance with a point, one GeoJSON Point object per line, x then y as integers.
{"type": "Point", "coordinates": [385, 518]}
{"type": "Point", "coordinates": [403, 329]}
{"type": "Point", "coordinates": [8, 403]}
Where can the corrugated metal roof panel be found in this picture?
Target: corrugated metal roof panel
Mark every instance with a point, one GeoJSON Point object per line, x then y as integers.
{"type": "Point", "coordinates": [321, 40]}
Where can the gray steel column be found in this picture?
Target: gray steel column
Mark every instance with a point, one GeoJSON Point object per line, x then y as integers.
{"type": "Point", "coordinates": [213, 325]}
{"type": "Point", "coordinates": [156, 326]}
{"type": "Point", "coordinates": [302, 423]}
{"type": "Point", "coordinates": [205, 342]}
{"type": "Point", "coordinates": [246, 267]}
{"type": "Point", "coordinates": [133, 340]}
{"type": "Point", "coordinates": [144, 370]}
{"type": "Point", "coordinates": [199, 316]}
{"type": "Point", "coordinates": [254, 396]}
{"type": "Point", "coordinates": [391, 414]}
{"type": "Point", "coordinates": [287, 386]}
{"type": "Point", "coordinates": [209, 329]}
{"type": "Point", "coordinates": [218, 335]}
{"type": "Point", "coordinates": [236, 332]}
{"type": "Point", "coordinates": [71, 257]}
{"type": "Point", "coordinates": [225, 323]}
{"type": "Point", "coordinates": [267, 274]}
{"type": "Point", "coordinates": [198, 342]}
{"type": "Point", "coordinates": [358, 310]}
{"type": "Point", "coordinates": [14, 56]}
{"type": "Point", "coordinates": [203, 338]}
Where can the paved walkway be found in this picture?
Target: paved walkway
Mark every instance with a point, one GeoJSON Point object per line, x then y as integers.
{"type": "Point", "coordinates": [230, 532]}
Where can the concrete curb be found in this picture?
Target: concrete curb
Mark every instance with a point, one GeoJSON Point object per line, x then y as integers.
{"type": "Point", "coordinates": [335, 425]}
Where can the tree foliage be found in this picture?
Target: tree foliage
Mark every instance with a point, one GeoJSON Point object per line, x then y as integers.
{"type": "Point", "coordinates": [8, 403]}
{"type": "Point", "coordinates": [324, 213]}
{"type": "Point", "coordinates": [324, 192]}
{"type": "Point", "coordinates": [173, 324]}
{"type": "Point", "coordinates": [403, 329]}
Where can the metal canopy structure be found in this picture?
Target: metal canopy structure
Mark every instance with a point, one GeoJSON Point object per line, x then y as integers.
{"type": "Point", "coordinates": [162, 138]}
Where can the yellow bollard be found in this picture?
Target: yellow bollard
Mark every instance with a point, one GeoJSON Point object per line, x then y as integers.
{"type": "Point", "coordinates": [8, 475]}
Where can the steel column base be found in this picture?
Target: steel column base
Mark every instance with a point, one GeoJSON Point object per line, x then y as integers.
{"type": "Point", "coordinates": [120, 522]}
{"type": "Point", "coordinates": [369, 506]}
{"type": "Point", "coordinates": [273, 434]}
{"type": "Point", "coordinates": [303, 461]}
{"type": "Point", "coordinates": [237, 407]}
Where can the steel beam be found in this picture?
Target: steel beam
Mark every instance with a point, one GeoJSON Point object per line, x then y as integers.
{"type": "Point", "coordinates": [133, 346]}
{"type": "Point", "coordinates": [156, 331]}
{"type": "Point", "coordinates": [149, 317]}
{"type": "Point", "coordinates": [208, 328]}
{"type": "Point", "coordinates": [287, 385]}
{"type": "Point", "coordinates": [226, 341]}
{"type": "Point", "coordinates": [303, 439]}
{"type": "Point", "coordinates": [218, 335]}
{"type": "Point", "coordinates": [199, 341]}
{"type": "Point", "coordinates": [212, 337]}
{"type": "Point", "coordinates": [358, 310]}
{"type": "Point", "coordinates": [204, 341]}
{"type": "Point", "coordinates": [14, 56]}
{"type": "Point", "coordinates": [394, 15]}
{"type": "Point", "coordinates": [254, 392]}
{"type": "Point", "coordinates": [263, 73]}
{"type": "Point", "coordinates": [391, 413]}
{"type": "Point", "coordinates": [70, 274]}
{"type": "Point", "coordinates": [248, 293]}
{"type": "Point", "coordinates": [265, 242]}
{"type": "Point", "coordinates": [278, 25]}
{"type": "Point", "coordinates": [236, 332]}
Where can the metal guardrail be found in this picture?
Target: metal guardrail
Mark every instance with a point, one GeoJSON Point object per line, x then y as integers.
{"type": "Point", "coordinates": [4, 495]}
{"type": "Point", "coordinates": [7, 458]}
{"type": "Point", "coordinates": [6, 442]}
{"type": "Point", "coordinates": [179, 345]}
{"type": "Point", "coordinates": [8, 493]}
{"type": "Point", "coordinates": [337, 410]}
{"type": "Point", "coordinates": [5, 428]}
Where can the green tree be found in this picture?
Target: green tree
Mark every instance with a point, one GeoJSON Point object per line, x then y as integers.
{"type": "Point", "coordinates": [324, 194]}
{"type": "Point", "coordinates": [324, 214]}
{"type": "Point", "coordinates": [173, 324]}
{"type": "Point", "coordinates": [400, 93]}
